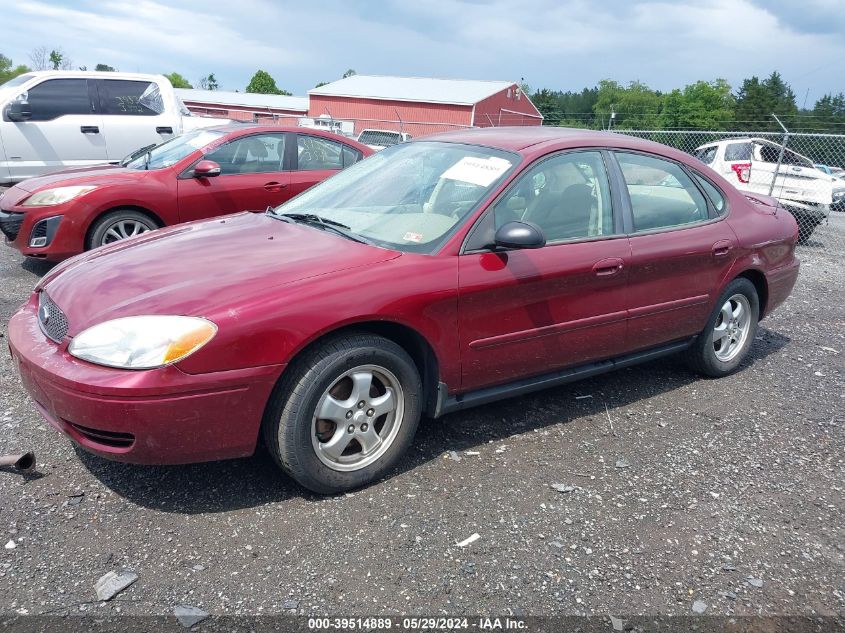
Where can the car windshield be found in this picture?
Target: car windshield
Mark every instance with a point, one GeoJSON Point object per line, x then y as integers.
{"type": "Point", "coordinates": [172, 151]}
{"type": "Point", "coordinates": [410, 197]}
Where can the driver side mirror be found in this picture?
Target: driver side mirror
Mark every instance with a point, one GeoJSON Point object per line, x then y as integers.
{"type": "Point", "coordinates": [18, 111]}
{"type": "Point", "coordinates": [206, 169]}
{"type": "Point", "coordinates": [519, 235]}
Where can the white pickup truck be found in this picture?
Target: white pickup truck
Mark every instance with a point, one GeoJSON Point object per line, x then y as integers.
{"type": "Point", "coordinates": [51, 120]}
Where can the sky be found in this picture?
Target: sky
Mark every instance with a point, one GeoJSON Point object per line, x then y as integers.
{"type": "Point", "coordinates": [557, 44]}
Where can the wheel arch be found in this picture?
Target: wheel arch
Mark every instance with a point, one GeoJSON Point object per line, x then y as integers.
{"type": "Point", "coordinates": [761, 285]}
{"type": "Point", "coordinates": [89, 230]}
{"type": "Point", "coordinates": [408, 338]}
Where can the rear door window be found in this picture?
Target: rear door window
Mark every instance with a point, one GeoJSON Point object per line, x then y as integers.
{"type": "Point", "coordinates": [130, 98]}
{"type": "Point", "coordinates": [662, 195]}
{"type": "Point", "coordinates": [54, 98]}
{"type": "Point", "coordinates": [317, 154]}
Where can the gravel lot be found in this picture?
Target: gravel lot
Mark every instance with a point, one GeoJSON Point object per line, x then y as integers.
{"type": "Point", "coordinates": [728, 492]}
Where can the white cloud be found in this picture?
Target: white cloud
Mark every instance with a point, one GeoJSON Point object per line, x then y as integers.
{"type": "Point", "coordinates": [559, 44]}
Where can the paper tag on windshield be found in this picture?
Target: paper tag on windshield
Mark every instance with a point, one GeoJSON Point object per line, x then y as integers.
{"type": "Point", "coordinates": [413, 237]}
{"type": "Point", "coordinates": [477, 171]}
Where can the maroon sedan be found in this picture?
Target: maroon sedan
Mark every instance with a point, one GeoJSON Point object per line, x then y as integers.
{"type": "Point", "coordinates": [202, 174]}
{"type": "Point", "coordinates": [435, 275]}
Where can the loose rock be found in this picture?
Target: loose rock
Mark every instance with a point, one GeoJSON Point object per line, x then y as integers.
{"type": "Point", "coordinates": [188, 616]}
{"type": "Point", "coordinates": [111, 584]}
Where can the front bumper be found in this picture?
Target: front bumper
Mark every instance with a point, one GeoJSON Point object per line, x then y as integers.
{"type": "Point", "coordinates": [158, 416]}
{"type": "Point", "coordinates": [60, 236]}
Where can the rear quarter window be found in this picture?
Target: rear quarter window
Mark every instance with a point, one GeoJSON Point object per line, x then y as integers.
{"type": "Point", "coordinates": [706, 154]}
{"type": "Point", "coordinates": [716, 197]}
{"type": "Point", "coordinates": [738, 151]}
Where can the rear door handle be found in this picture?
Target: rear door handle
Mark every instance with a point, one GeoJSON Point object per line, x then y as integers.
{"type": "Point", "coordinates": [164, 130]}
{"type": "Point", "coordinates": [608, 267]}
{"type": "Point", "coordinates": [89, 129]}
{"type": "Point", "coordinates": [721, 249]}
{"type": "Point", "coordinates": [275, 186]}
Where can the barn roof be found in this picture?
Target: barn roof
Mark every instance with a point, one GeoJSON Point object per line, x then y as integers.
{"type": "Point", "coordinates": [243, 99]}
{"type": "Point", "coordinates": [421, 89]}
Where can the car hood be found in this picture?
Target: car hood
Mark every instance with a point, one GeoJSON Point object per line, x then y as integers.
{"type": "Point", "coordinates": [96, 175]}
{"type": "Point", "coordinates": [199, 269]}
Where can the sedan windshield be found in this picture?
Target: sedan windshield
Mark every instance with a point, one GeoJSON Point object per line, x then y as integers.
{"type": "Point", "coordinates": [410, 197]}
{"type": "Point", "coordinates": [172, 151]}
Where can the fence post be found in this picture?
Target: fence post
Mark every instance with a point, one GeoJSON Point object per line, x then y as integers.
{"type": "Point", "coordinates": [780, 156]}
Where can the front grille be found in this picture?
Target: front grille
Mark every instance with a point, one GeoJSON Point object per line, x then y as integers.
{"type": "Point", "coordinates": [52, 320]}
{"type": "Point", "coordinates": [10, 224]}
{"type": "Point", "coordinates": [111, 439]}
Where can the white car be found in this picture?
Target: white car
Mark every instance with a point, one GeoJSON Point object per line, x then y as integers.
{"type": "Point", "coordinates": [57, 119]}
{"type": "Point", "coordinates": [379, 139]}
{"type": "Point", "coordinates": [751, 164]}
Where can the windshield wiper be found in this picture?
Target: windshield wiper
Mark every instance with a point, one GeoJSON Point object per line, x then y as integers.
{"type": "Point", "coordinates": [317, 220]}
{"type": "Point", "coordinates": [138, 152]}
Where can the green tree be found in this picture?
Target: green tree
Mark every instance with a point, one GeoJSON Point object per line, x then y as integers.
{"type": "Point", "coordinates": [263, 83]}
{"type": "Point", "coordinates": [321, 83]}
{"type": "Point", "coordinates": [349, 73]}
{"type": "Point", "coordinates": [208, 82]}
{"type": "Point", "coordinates": [703, 106]}
{"type": "Point", "coordinates": [568, 109]}
{"type": "Point", "coordinates": [8, 70]}
{"type": "Point", "coordinates": [636, 106]}
{"type": "Point", "coordinates": [105, 68]}
{"type": "Point", "coordinates": [178, 81]}
{"type": "Point", "coordinates": [56, 58]}
{"type": "Point", "coordinates": [757, 100]}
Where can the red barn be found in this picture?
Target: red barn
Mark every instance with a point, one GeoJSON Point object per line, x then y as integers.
{"type": "Point", "coordinates": [244, 106]}
{"type": "Point", "coordinates": [421, 106]}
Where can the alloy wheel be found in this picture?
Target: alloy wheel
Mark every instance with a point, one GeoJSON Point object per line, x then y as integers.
{"type": "Point", "coordinates": [357, 418]}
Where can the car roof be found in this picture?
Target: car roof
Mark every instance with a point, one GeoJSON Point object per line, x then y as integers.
{"type": "Point", "coordinates": [533, 141]}
{"type": "Point", "coordinates": [242, 129]}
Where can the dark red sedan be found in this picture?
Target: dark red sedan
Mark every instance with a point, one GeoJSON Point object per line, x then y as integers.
{"type": "Point", "coordinates": [201, 174]}
{"type": "Point", "coordinates": [436, 275]}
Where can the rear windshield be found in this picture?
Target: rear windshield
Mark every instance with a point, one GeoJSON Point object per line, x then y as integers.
{"type": "Point", "coordinates": [377, 137]}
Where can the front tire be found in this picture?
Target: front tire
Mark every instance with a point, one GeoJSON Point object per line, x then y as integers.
{"type": "Point", "coordinates": [118, 225]}
{"type": "Point", "coordinates": [344, 413]}
{"type": "Point", "coordinates": [724, 343]}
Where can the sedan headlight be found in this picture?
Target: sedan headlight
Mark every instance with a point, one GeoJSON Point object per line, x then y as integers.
{"type": "Point", "coordinates": [57, 195]}
{"type": "Point", "coordinates": [142, 342]}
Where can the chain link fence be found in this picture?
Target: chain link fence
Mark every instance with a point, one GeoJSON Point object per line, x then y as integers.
{"type": "Point", "coordinates": [803, 171]}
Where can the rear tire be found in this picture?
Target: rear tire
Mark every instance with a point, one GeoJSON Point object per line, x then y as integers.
{"type": "Point", "coordinates": [118, 225]}
{"type": "Point", "coordinates": [344, 413]}
{"type": "Point", "coordinates": [724, 343]}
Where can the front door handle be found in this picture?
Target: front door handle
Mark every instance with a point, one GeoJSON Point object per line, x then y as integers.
{"type": "Point", "coordinates": [274, 186]}
{"type": "Point", "coordinates": [721, 248]}
{"type": "Point", "coordinates": [89, 129]}
{"type": "Point", "coordinates": [608, 267]}
{"type": "Point", "coordinates": [164, 130]}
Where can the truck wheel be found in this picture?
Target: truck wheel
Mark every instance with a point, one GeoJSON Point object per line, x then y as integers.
{"type": "Point", "coordinates": [729, 333]}
{"type": "Point", "coordinates": [344, 414]}
{"type": "Point", "coordinates": [119, 225]}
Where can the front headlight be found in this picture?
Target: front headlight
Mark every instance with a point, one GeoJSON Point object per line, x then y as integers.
{"type": "Point", "coordinates": [57, 195]}
{"type": "Point", "coordinates": [142, 342]}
